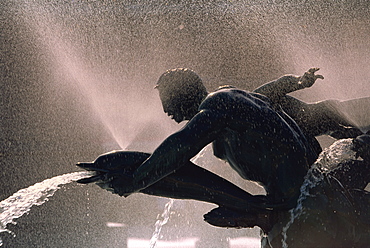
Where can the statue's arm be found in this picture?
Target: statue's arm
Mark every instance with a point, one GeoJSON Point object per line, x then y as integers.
{"type": "Point", "coordinates": [289, 83]}
{"type": "Point", "coordinates": [179, 148]}
{"type": "Point", "coordinates": [280, 86]}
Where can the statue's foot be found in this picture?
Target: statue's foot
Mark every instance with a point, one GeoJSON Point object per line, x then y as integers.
{"type": "Point", "coordinates": [230, 218]}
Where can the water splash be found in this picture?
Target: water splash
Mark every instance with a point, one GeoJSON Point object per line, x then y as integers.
{"type": "Point", "coordinates": [167, 210]}
{"type": "Point", "coordinates": [160, 223]}
{"type": "Point", "coordinates": [311, 180]}
{"type": "Point", "coordinates": [21, 202]}
{"type": "Point", "coordinates": [328, 159]}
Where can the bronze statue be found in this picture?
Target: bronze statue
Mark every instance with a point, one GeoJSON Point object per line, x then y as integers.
{"type": "Point", "coordinates": [250, 130]}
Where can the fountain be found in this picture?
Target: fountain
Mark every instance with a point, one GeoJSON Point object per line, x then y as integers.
{"type": "Point", "coordinates": [76, 73]}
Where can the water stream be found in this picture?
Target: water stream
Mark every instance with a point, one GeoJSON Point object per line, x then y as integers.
{"type": "Point", "coordinates": [21, 202]}
{"type": "Point", "coordinates": [165, 216]}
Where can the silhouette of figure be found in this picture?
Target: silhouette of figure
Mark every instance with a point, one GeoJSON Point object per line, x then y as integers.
{"type": "Point", "coordinates": [246, 129]}
{"type": "Point", "coordinates": [249, 130]}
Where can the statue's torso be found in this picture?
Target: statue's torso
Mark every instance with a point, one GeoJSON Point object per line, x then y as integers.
{"type": "Point", "coordinates": [259, 142]}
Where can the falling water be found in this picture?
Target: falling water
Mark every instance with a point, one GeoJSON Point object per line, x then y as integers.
{"type": "Point", "coordinates": [21, 202]}
{"type": "Point", "coordinates": [339, 151]}
{"type": "Point", "coordinates": [167, 210]}
{"type": "Point", "coordinates": [159, 223]}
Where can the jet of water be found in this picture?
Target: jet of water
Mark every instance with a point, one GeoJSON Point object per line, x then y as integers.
{"type": "Point", "coordinates": [21, 202]}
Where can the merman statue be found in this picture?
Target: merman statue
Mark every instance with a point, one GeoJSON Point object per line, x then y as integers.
{"type": "Point", "coordinates": [249, 130]}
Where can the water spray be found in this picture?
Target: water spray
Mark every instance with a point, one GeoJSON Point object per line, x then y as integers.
{"type": "Point", "coordinates": [21, 202]}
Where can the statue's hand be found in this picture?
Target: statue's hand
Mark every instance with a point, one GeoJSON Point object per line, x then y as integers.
{"type": "Point", "coordinates": [120, 184]}
{"type": "Point", "coordinates": [114, 171]}
{"type": "Point", "coordinates": [309, 77]}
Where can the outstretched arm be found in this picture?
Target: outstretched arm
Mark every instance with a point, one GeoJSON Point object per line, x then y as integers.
{"type": "Point", "coordinates": [179, 148]}
{"type": "Point", "coordinates": [289, 83]}
{"type": "Point", "coordinates": [188, 182]}
{"type": "Point", "coordinates": [196, 183]}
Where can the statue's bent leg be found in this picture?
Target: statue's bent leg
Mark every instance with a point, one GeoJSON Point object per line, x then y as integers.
{"type": "Point", "coordinates": [334, 121]}
{"type": "Point", "coordinates": [323, 117]}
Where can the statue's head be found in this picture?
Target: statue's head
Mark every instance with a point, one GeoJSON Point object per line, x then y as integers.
{"type": "Point", "coordinates": [181, 91]}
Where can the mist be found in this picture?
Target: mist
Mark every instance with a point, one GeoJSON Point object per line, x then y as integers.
{"type": "Point", "coordinates": [78, 80]}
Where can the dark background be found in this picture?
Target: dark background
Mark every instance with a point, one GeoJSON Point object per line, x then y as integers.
{"type": "Point", "coordinates": [77, 80]}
